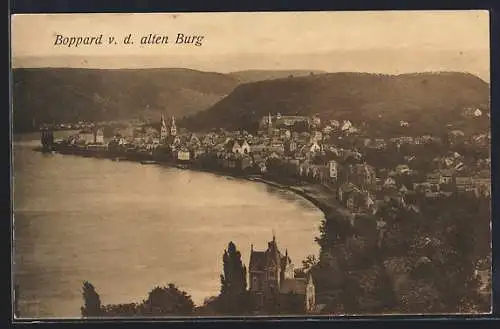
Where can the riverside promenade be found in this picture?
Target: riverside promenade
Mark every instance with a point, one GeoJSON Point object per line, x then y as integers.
{"type": "Point", "coordinates": [320, 195]}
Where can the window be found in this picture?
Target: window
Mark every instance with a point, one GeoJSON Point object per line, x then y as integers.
{"type": "Point", "coordinates": [255, 283]}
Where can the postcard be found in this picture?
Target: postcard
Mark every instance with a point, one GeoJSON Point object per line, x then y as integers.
{"type": "Point", "coordinates": [251, 164]}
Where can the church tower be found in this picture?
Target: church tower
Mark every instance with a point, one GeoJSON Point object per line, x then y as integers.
{"type": "Point", "coordinates": [163, 129]}
{"type": "Point", "coordinates": [269, 125]}
{"type": "Point", "coordinates": [173, 127]}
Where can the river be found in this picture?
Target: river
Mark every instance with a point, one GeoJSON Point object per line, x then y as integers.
{"type": "Point", "coordinates": [127, 227]}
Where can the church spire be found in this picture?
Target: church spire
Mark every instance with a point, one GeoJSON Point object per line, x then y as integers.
{"type": "Point", "coordinates": [269, 124]}
{"type": "Point", "coordinates": [173, 127]}
{"type": "Point", "coordinates": [163, 128]}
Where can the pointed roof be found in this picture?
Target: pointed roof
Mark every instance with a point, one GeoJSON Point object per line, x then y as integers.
{"type": "Point", "coordinates": [231, 143]}
{"type": "Point", "coordinates": [257, 260]}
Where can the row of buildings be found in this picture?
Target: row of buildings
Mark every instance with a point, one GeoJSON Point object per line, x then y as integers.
{"type": "Point", "coordinates": [308, 155]}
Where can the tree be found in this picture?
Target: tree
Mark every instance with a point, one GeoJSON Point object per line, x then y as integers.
{"type": "Point", "coordinates": [309, 262]}
{"type": "Point", "coordinates": [92, 301]}
{"type": "Point", "coordinates": [168, 301]}
{"type": "Point", "coordinates": [234, 298]}
{"type": "Point", "coordinates": [233, 281]}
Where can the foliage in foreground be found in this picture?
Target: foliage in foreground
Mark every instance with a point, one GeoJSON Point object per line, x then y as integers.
{"type": "Point", "coordinates": [421, 262]}
{"type": "Point", "coordinates": [161, 301]}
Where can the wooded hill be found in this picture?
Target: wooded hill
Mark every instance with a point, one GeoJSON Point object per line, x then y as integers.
{"type": "Point", "coordinates": [426, 100]}
{"type": "Point", "coordinates": [66, 94]}
{"type": "Point", "coordinates": [238, 100]}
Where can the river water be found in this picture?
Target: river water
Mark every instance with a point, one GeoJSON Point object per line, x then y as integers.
{"type": "Point", "coordinates": [127, 227]}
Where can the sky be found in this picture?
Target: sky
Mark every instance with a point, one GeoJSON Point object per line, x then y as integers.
{"type": "Point", "coordinates": [383, 41]}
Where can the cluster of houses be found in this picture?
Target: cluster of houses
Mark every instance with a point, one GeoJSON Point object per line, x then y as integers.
{"type": "Point", "coordinates": [301, 147]}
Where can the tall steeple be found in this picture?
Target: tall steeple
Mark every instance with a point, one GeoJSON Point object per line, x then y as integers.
{"type": "Point", "coordinates": [269, 124]}
{"type": "Point", "coordinates": [173, 127]}
{"type": "Point", "coordinates": [163, 129]}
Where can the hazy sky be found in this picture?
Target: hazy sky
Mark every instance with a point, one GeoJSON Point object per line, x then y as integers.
{"type": "Point", "coordinates": [390, 41]}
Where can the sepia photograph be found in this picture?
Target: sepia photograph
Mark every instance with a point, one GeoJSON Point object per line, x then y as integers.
{"type": "Point", "coordinates": [250, 164]}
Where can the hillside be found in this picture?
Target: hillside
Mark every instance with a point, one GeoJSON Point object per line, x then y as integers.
{"type": "Point", "coordinates": [260, 75]}
{"type": "Point", "coordinates": [65, 94]}
{"type": "Point", "coordinates": [427, 100]}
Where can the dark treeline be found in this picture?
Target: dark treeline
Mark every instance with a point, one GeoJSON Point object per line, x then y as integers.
{"type": "Point", "coordinates": [161, 301]}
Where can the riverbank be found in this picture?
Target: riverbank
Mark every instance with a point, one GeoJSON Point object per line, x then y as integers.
{"type": "Point", "coordinates": [321, 196]}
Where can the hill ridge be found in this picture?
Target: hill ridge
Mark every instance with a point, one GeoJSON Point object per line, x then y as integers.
{"type": "Point", "coordinates": [361, 97]}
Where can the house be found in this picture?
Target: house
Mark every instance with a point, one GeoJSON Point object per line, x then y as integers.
{"type": "Point", "coordinates": [245, 147]}
{"type": "Point", "coordinates": [403, 189]}
{"type": "Point", "coordinates": [173, 141]}
{"type": "Point", "coordinates": [346, 125]}
{"type": "Point", "coordinates": [316, 121]}
{"type": "Point", "coordinates": [272, 274]}
{"type": "Point", "coordinates": [99, 136]}
{"type": "Point", "coordinates": [429, 188]}
{"type": "Point", "coordinates": [389, 182]}
{"type": "Point", "coordinates": [285, 134]}
{"type": "Point", "coordinates": [380, 143]}
{"type": "Point", "coordinates": [244, 162]}
{"type": "Point", "coordinates": [277, 146]}
{"type": "Point", "coordinates": [482, 181]}
{"type": "Point", "coordinates": [262, 166]}
{"type": "Point", "coordinates": [209, 140]}
{"type": "Point", "coordinates": [402, 169]}
{"type": "Point", "coordinates": [194, 141]}
{"type": "Point", "coordinates": [183, 155]}
{"type": "Point", "coordinates": [233, 146]}
{"type": "Point", "coordinates": [290, 147]}
{"type": "Point", "coordinates": [350, 196]}
{"type": "Point", "coordinates": [314, 147]}
{"type": "Point", "coordinates": [433, 178]}
{"type": "Point", "coordinates": [464, 184]}
{"type": "Point", "coordinates": [198, 152]}
{"type": "Point", "coordinates": [335, 124]}
{"type": "Point", "coordinates": [363, 175]}
{"type": "Point", "coordinates": [333, 169]}
{"type": "Point", "coordinates": [445, 177]}
{"type": "Point", "coordinates": [304, 169]}
{"type": "Point", "coordinates": [316, 136]}
{"type": "Point", "coordinates": [327, 130]}
{"type": "Point", "coordinates": [319, 172]}
{"type": "Point", "coordinates": [289, 120]}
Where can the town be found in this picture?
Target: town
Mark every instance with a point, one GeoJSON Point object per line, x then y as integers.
{"type": "Point", "coordinates": [332, 163]}
{"type": "Point", "coordinates": [336, 154]}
